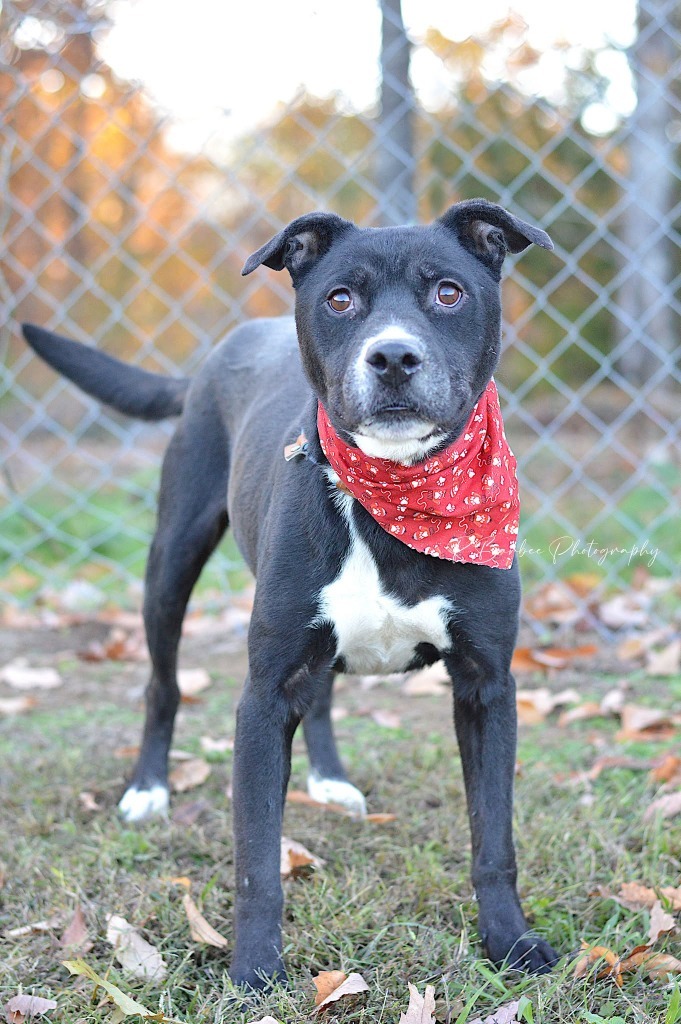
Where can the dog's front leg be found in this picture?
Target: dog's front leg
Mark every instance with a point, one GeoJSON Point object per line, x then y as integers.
{"type": "Point", "coordinates": [262, 761]}
{"type": "Point", "coordinates": [485, 718]}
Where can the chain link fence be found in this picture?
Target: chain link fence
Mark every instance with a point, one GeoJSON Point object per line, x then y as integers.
{"type": "Point", "coordinates": [126, 224]}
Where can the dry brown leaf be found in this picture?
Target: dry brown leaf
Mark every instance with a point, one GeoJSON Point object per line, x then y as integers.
{"type": "Point", "coordinates": [661, 923]}
{"type": "Point", "coordinates": [606, 761]}
{"type": "Point", "coordinates": [349, 990]}
{"type": "Point", "coordinates": [554, 602]}
{"type": "Point", "coordinates": [189, 774]}
{"type": "Point", "coordinates": [199, 929]}
{"type": "Point", "coordinates": [327, 982]}
{"type": "Point", "coordinates": [218, 746]}
{"type": "Point", "coordinates": [593, 954]}
{"type": "Point", "coordinates": [120, 645]}
{"type": "Point", "coordinates": [379, 818]}
{"type": "Point", "coordinates": [667, 806]}
{"type": "Point", "coordinates": [656, 965]}
{"type": "Point", "coordinates": [192, 681]}
{"type": "Point", "coordinates": [75, 937]}
{"type": "Point", "coordinates": [21, 1008]}
{"type": "Point", "coordinates": [636, 646]}
{"type": "Point", "coordinates": [635, 896]}
{"type": "Point", "coordinates": [421, 1009]}
{"type": "Point", "coordinates": [21, 676]}
{"type": "Point", "coordinates": [188, 814]}
{"type": "Point", "coordinates": [638, 722]}
{"type": "Point", "coordinates": [88, 803]}
{"type": "Point", "coordinates": [386, 719]}
{"type": "Point", "coordinates": [630, 609]}
{"type": "Point", "coordinates": [136, 956]}
{"type": "Point", "coordinates": [581, 713]}
{"type": "Point", "coordinates": [35, 928]}
{"type": "Point", "coordinates": [296, 859]}
{"type": "Point", "coordinates": [533, 706]}
{"type": "Point", "coordinates": [505, 1014]}
{"type": "Point", "coordinates": [299, 796]}
{"type": "Point", "coordinates": [432, 681]}
{"type": "Point", "coordinates": [16, 705]}
{"type": "Point", "coordinates": [667, 769]}
{"type": "Point", "coordinates": [666, 662]}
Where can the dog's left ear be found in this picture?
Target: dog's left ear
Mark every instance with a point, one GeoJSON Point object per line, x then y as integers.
{"type": "Point", "coordinates": [489, 231]}
{"type": "Point", "coordinates": [300, 244]}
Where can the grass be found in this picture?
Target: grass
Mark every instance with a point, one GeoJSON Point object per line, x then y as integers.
{"type": "Point", "coordinates": [393, 902]}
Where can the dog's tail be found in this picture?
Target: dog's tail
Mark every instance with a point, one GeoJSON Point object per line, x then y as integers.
{"type": "Point", "coordinates": [128, 389]}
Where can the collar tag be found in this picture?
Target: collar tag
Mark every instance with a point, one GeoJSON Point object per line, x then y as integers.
{"type": "Point", "coordinates": [298, 448]}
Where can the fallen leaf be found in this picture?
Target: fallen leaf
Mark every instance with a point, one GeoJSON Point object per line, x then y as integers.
{"type": "Point", "coordinates": [76, 936]}
{"type": "Point", "coordinates": [265, 1020]}
{"type": "Point", "coordinates": [135, 955]}
{"type": "Point", "coordinates": [35, 928]}
{"type": "Point", "coordinates": [327, 982]}
{"type": "Point", "coordinates": [296, 859]}
{"type": "Point", "coordinates": [21, 676]}
{"type": "Point", "coordinates": [188, 814]}
{"type": "Point", "coordinates": [127, 1006]}
{"type": "Point", "coordinates": [533, 706]}
{"type": "Point", "coordinates": [636, 646]}
{"type": "Point", "coordinates": [379, 818]}
{"type": "Point", "coordinates": [181, 880]}
{"type": "Point", "coordinates": [630, 609]}
{"type": "Point", "coordinates": [16, 705]}
{"type": "Point", "coordinates": [638, 722]}
{"type": "Point", "coordinates": [193, 681]}
{"type": "Point", "coordinates": [607, 761]}
{"type": "Point", "coordinates": [661, 923]}
{"type": "Point", "coordinates": [635, 896]}
{"type": "Point", "coordinates": [554, 602]}
{"type": "Point", "coordinates": [21, 1008]}
{"type": "Point", "coordinates": [219, 746]}
{"type": "Point", "coordinates": [432, 681]}
{"type": "Point", "coordinates": [88, 803]}
{"type": "Point", "coordinates": [421, 1009]}
{"type": "Point", "coordinates": [666, 662]}
{"type": "Point", "coordinates": [667, 806]}
{"type": "Point", "coordinates": [532, 659]}
{"type": "Point", "coordinates": [352, 987]}
{"type": "Point", "coordinates": [299, 796]}
{"type": "Point", "coordinates": [189, 774]}
{"type": "Point", "coordinates": [506, 1014]}
{"type": "Point", "coordinates": [199, 929]}
{"type": "Point", "coordinates": [386, 719]}
{"type": "Point", "coordinates": [581, 713]}
{"type": "Point", "coordinates": [656, 965]}
{"type": "Point", "coordinates": [667, 769]}
{"type": "Point", "coordinates": [592, 955]}
{"type": "Point", "coordinates": [120, 645]}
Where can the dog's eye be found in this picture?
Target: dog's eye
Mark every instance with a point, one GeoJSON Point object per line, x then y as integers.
{"type": "Point", "coordinates": [340, 300]}
{"type": "Point", "coordinates": [448, 294]}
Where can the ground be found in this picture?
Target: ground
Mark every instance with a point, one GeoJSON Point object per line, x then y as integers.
{"type": "Point", "coordinates": [393, 901]}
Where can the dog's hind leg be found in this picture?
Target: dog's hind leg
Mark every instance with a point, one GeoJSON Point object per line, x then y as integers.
{"type": "Point", "coordinates": [327, 781]}
{"type": "Point", "coordinates": [192, 518]}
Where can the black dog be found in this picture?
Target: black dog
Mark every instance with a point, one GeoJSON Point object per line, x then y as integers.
{"type": "Point", "coordinates": [396, 337]}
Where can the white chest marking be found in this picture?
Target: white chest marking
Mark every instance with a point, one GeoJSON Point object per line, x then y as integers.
{"type": "Point", "coordinates": [376, 632]}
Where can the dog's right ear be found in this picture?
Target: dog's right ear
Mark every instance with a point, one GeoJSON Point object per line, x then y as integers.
{"type": "Point", "coordinates": [300, 244]}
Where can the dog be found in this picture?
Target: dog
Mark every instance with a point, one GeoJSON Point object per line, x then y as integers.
{"type": "Point", "coordinates": [359, 457]}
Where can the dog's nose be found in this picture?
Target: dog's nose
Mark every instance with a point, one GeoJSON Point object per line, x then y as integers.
{"type": "Point", "coordinates": [394, 361]}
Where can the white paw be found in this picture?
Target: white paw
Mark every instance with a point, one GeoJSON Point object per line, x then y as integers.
{"type": "Point", "coordinates": [334, 791]}
{"type": "Point", "coordinates": [137, 804]}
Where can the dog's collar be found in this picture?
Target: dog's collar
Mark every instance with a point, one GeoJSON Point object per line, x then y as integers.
{"type": "Point", "coordinates": [460, 504]}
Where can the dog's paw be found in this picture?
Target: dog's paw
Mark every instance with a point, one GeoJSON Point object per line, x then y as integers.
{"type": "Point", "coordinates": [138, 804]}
{"type": "Point", "coordinates": [528, 953]}
{"type": "Point", "coordinates": [336, 791]}
{"type": "Point", "coordinates": [257, 980]}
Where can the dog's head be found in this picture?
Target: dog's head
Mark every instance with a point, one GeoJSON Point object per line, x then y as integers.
{"type": "Point", "coordinates": [399, 328]}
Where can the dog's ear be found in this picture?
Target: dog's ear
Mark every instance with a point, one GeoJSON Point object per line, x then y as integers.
{"type": "Point", "coordinates": [489, 231]}
{"type": "Point", "coordinates": [300, 244]}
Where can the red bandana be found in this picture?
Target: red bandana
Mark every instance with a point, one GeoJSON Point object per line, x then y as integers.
{"type": "Point", "coordinates": [461, 505]}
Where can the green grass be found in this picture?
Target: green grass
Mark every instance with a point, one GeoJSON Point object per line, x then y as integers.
{"type": "Point", "coordinates": [393, 902]}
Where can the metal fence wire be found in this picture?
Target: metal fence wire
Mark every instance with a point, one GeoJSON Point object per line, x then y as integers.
{"type": "Point", "coordinates": [126, 224]}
